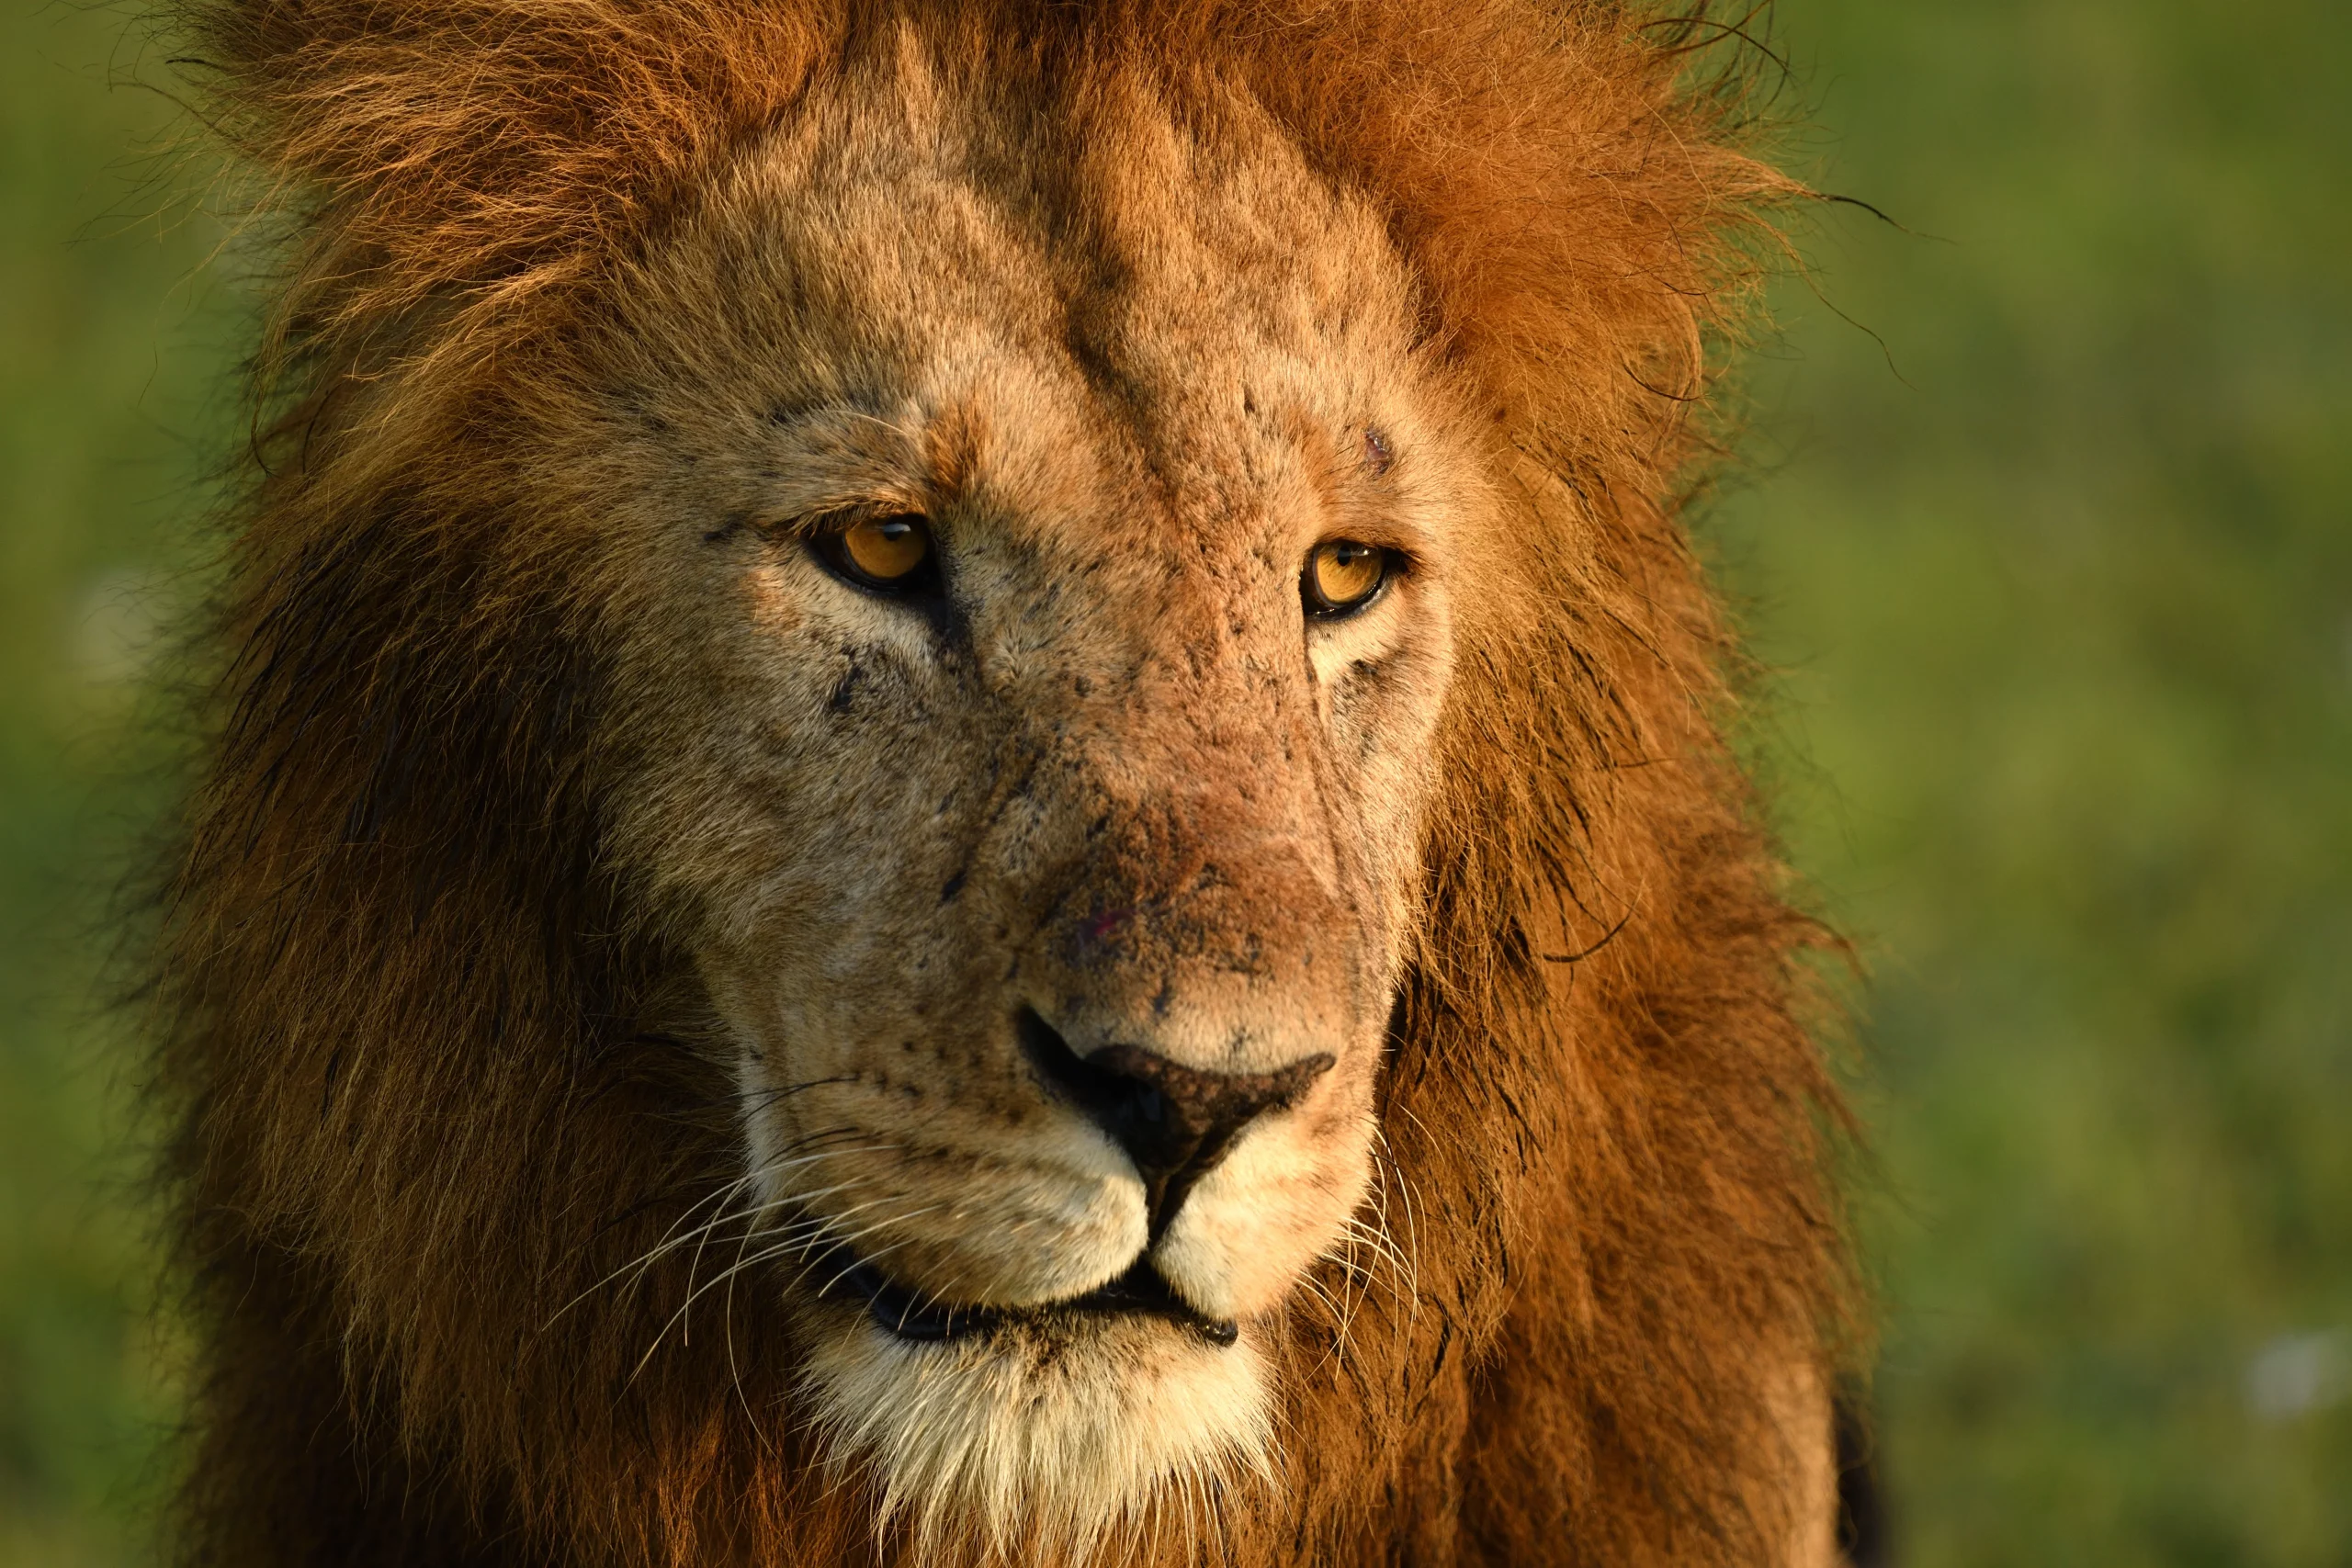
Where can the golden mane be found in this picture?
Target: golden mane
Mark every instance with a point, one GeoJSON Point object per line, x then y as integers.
{"type": "Point", "coordinates": [419, 1113]}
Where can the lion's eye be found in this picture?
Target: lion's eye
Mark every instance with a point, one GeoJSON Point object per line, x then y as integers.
{"type": "Point", "coordinates": [1344, 575]}
{"type": "Point", "coordinates": [879, 552]}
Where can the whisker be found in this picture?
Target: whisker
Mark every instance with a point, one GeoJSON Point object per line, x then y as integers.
{"type": "Point", "coordinates": [671, 1240]}
{"type": "Point", "coordinates": [685, 1305]}
{"type": "Point", "coordinates": [797, 1239]}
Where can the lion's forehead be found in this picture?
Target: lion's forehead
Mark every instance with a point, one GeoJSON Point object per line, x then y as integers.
{"type": "Point", "coordinates": [1173, 305]}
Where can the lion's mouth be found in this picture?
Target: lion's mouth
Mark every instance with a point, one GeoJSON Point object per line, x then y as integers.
{"type": "Point", "coordinates": [907, 1313]}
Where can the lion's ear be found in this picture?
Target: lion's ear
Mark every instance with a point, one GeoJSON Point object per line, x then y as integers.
{"type": "Point", "coordinates": [484, 148]}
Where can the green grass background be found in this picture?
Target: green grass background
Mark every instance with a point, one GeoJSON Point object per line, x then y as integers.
{"type": "Point", "coordinates": [2059, 608]}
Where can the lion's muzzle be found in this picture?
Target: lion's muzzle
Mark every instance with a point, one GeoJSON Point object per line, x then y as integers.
{"type": "Point", "coordinates": [1175, 1125]}
{"type": "Point", "coordinates": [1174, 1122]}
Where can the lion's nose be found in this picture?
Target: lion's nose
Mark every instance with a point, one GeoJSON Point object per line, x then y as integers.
{"type": "Point", "coordinates": [1175, 1122]}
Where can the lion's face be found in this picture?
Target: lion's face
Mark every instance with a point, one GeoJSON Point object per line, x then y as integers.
{"type": "Point", "coordinates": [1036, 622]}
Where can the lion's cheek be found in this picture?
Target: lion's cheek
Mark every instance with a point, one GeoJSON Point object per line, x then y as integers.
{"type": "Point", "coordinates": [1256, 1222]}
{"type": "Point", "coordinates": [980, 1231]}
{"type": "Point", "coordinates": [960, 1202]}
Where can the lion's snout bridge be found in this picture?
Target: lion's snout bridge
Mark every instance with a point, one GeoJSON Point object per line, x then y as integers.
{"type": "Point", "coordinates": [1174, 1122]}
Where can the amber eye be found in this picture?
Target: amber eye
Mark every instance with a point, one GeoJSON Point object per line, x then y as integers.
{"type": "Point", "coordinates": [1344, 575]}
{"type": "Point", "coordinates": [879, 552]}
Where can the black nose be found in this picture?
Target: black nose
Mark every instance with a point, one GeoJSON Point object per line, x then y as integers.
{"type": "Point", "coordinates": [1175, 1122]}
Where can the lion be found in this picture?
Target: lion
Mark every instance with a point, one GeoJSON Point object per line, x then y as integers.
{"type": "Point", "coordinates": [964, 801]}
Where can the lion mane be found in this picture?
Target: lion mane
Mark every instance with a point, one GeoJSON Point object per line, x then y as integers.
{"type": "Point", "coordinates": [430, 1131]}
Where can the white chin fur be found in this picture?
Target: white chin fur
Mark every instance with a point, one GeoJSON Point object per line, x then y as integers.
{"type": "Point", "coordinates": [1043, 1444]}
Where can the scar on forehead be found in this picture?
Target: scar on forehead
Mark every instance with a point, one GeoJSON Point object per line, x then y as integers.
{"type": "Point", "coordinates": [1377, 455]}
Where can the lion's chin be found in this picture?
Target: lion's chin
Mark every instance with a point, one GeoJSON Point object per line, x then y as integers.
{"type": "Point", "coordinates": [1050, 1439]}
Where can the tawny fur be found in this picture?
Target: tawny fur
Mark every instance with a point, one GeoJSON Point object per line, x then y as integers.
{"type": "Point", "coordinates": [424, 1035]}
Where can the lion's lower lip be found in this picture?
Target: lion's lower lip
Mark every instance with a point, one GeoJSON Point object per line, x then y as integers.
{"type": "Point", "coordinates": [1140, 1291]}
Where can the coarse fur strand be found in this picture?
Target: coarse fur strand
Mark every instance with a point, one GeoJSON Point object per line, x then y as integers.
{"type": "Point", "coordinates": [421, 1110]}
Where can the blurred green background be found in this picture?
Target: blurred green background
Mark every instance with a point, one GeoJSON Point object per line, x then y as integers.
{"type": "Point", "coordinates": [2059, 605]}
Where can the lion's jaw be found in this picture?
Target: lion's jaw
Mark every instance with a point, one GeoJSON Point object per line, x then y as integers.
{"type": "Point", "coordinates": [1112, 781]}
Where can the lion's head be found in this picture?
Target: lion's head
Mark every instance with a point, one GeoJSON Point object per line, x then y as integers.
{"type": "Point", "coordinates": [1043, 609]}
{"type": "Point", "coordinates": [929, 710]}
